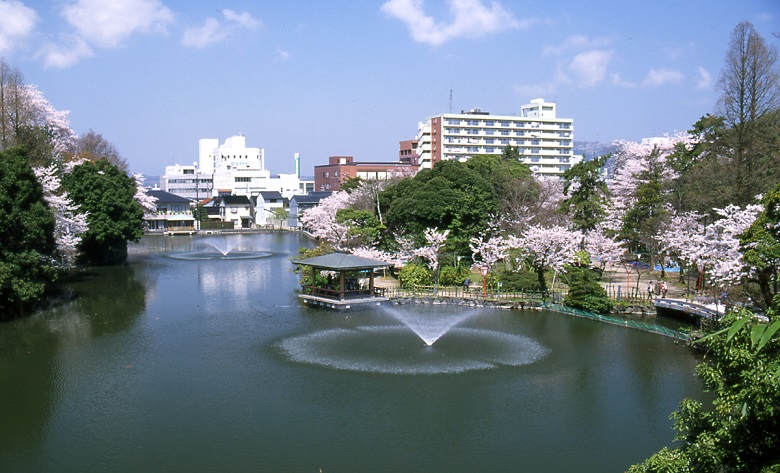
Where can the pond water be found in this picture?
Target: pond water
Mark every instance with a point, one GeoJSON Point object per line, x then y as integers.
{"type": "Point", "coordinates": [187, 361]}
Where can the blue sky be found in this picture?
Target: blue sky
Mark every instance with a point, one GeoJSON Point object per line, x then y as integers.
{"type": "Point", "coordinates": [355, 77]}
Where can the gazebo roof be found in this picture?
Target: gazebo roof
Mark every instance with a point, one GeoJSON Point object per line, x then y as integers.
{"type": "Point", "coordinates": [342, 262]}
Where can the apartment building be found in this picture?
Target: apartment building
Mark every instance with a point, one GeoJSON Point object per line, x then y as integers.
{"type": "Point", "coordinates": [544, 141]}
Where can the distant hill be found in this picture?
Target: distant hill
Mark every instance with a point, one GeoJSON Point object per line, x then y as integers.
{"type": "Point", "coordinates": [592, 149]}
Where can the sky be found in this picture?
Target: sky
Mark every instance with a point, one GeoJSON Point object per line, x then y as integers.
{"type": "Point", "coordinates": [356, 77]}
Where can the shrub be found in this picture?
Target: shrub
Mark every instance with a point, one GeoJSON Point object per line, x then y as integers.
{"type": "Point", "coordinates": [586, 293]}
{"type": "Point", "coordinates": [517, 281]}
{"type": "Point", "coordinates": [453, 276]}
{"type": "Point", "coordinates": [415, 275]}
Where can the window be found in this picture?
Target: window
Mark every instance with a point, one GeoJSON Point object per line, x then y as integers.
{"type": "Point", "coordinates": [490, 123]}
{"type": "Point", "coordinates": [489, 141]}
{"type": "Point", "coordinates": [243, 179]}
{"type": "Point", "coordinates": [473, 131]}
{"type": "Point", "coordinates": [504, 123]}
{"type": "Point", "coordinates": [505, 132]}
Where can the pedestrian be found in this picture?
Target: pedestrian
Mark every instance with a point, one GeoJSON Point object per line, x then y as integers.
{"type": "Point", "coordinates": [650, 289]}
{"type": "Point", "coordinates": [664, 289]}
{"type": "Point", "coordinates": [467, 284]}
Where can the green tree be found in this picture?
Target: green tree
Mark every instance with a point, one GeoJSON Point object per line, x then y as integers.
{"type": "Point", "coordinates": [364, 227]}
{"type": "Point", "coordinates": [741, 433]}
{"type": "Point", "coordinates": [586, 193]}
{"type": "Point", "coordinates": [449, 196]}
{"type": "Point", "coordinates": [761, 247]}
{"type": "Point", "coordinates": [27, 248]}
{"type": "Point", "coordinates": [114, 216]}
{"type": "Point", "coordinates": [350, 184]}
{"type": "Point", "coordinates": [644, 218]}
{"type": "Point", "coordinates": [512, 181]}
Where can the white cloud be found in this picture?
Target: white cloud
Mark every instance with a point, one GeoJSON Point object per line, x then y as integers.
{"type": "Point", "coordinates": [575, 42]}
{"type": "Point", "coordinates": [705, 79]}
{"type": "Point", "coordinates": [109, 24]}
{"type": "Point", "coordinates": [66, 54]}
{"type": "Point", "coordinates": [282, 55]}
{"type": "Point", "coordinates": [658, 77]}
{"type": "Point", "coordinates": [214, 31]}
{"type": "Point", "coordinates": [16, 23]}
{"type": "Point", "coordinates": [590, 67]}
{"type": "Point", "coordinates": [618, 81]}
{"type": "Point", "coordinates": [470, 18]}
{"type": "Point", "coordinates": [654, 78]}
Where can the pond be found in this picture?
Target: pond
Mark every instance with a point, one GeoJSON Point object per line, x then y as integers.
{"type": "Point", "coordinates": [191, 358]}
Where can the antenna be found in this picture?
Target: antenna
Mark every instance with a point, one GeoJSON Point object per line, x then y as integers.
{"type": "Point", "coordinates": [450, 100]}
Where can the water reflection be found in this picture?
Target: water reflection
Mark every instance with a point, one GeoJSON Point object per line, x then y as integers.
{"type": "Point", "coordinates": [179, 365]}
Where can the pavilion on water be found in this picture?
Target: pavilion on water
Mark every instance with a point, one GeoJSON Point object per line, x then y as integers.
{"type": "Point", "coordinates": [353, 285]}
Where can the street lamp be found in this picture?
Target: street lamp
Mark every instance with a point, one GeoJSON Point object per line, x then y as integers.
{"type": "Point", "coordinates": [484, 271]}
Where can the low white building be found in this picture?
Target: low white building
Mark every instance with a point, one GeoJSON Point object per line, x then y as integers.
{"type": "Point", "coordinates": [231, 168]}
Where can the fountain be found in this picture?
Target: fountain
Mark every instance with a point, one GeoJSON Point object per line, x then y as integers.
{"type": "Point", "coordinates": [223, 244]}
{"type": "Point", "coordinates": [226, 249]}
{"type": "Point", "coordinates": [429, 328]}
{"type": "Point", "coordinates": [396, 349]}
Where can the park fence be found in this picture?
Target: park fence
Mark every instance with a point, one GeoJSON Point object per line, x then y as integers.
{"type": "Point", "coordinates": [551, 301]}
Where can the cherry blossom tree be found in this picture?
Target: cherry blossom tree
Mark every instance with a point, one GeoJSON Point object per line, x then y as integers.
{"type": "Point", "coordinates": [69, 223]}
{"type": "Point", "coordinates": [148, 203]}
{"type": "Point", "coordinates": [321, 220]}
{"type": "Point", "coordinates": [714, 247]}
{"type": "Point", "coordinates": [430, 253]}
{"type": "Point", "coordinates": [490, 250]}
{"type": "Point", "coordinates": [546, 248]}
{"type": "Point", "coordinates": [373, 253]}
{"type": "Point", "coordinates": [602, 248]}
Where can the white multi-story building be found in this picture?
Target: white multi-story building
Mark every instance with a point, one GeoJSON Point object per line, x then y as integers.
{"type": "Point", "coordinates": [187, 181]}
{"type": "Point", "coordinates": [544, 141]}
{"type": "Point", "coordinates": [231, 168]}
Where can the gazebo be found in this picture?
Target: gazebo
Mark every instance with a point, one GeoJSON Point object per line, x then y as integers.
{"type": "Point", "coordinates": [347, 289]}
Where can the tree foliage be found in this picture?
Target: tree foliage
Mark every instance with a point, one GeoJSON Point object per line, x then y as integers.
{"type": "Point", "coordinates": [585, 292]}
{"type": "Point", "coordinates": [115, 217]}
{"type": "Point", "coordinates": [760, 244]}
{"type": "Point", "coordinates": [451, 196]}
{"type": "Point", "coordinates": [741, 433]}
{"type": "Point", "coordinates": [586, 193]}
{"type": "Point", "coordinates": [91, 146]}
{"type": "Point", "coordinates": [27, 248]}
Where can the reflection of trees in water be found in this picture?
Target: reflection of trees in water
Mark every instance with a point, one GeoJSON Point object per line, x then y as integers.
{"type": "Point", "coordinates": [111, 298]}
{"type": "Point", "coordinates": [108, 300]}
{"type": "Point", "coordinates": [28, 385]}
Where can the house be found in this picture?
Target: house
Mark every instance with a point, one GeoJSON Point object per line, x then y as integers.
{"type": "Point", "coordinates": [265, 205]}
{"type": "Point", "coordinates": [299, 204]}
{"type": "Point", "coordinates": [237, 209]}
{"type": "Point", "coordinates": [172, 215]}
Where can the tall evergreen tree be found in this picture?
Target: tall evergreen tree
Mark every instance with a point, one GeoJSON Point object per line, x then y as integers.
{"type": "Point", "coordinates": [27, 247]}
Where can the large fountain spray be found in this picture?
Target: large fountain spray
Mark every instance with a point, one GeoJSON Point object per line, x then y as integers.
{"type": "Point", "coordinates": [396, 349]}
